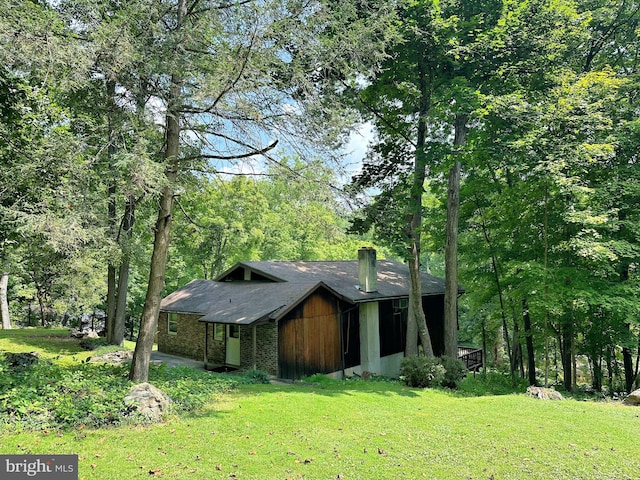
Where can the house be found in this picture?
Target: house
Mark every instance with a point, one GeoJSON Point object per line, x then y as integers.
{"type": "Point", "coordinates": [296, 318]}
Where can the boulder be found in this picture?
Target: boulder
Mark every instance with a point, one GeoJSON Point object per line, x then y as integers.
{"type": "Point", "coordinates": [544, 393]}
{"type": "Point", "coordinates": [121, 356]}
{"type": "Point", "coordinates": [148, 401]}
{"type": "Point", "coordinates": [633, 398]}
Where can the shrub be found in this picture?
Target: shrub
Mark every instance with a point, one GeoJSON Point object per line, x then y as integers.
{"type": "Point", "coordinates": [89, 343]}
{"type": "Point", "coordinates": [189, 388]}
{"type": "Point", "coordinates": [47, 395]}
{"type": "Point", "coordinates": [491, 383]}
{"type": "Point", "coordinates": [257, 376]}
{"type": "Point", "coordinates": [422, 372]}
{"type": "Point", "coordinates": [455, 371]}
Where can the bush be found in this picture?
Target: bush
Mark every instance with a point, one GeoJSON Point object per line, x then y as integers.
{"type": "Point", "coordinates": [422, 372]}
{"type": "Point", "coordinates": [455, 371]}
{"type": "Point", "coordinates": [257, 376]}
{"type": "Point", "coordinates": [47, 395]}
{"type": "Point", "coordinates": [89, 343]}
{"type": "Point", "coordinates": [491, 383]}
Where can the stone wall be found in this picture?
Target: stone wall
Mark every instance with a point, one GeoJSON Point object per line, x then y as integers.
{"type": "Point", "coordinates": [266, 347]}
{"type": "Point", "coordinates": [216, 352]}
{"type": "Point", "coordinates": [189, 341]}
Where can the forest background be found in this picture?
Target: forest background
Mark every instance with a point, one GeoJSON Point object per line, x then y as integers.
{"type": "Point", "coordinates": [147, 143]}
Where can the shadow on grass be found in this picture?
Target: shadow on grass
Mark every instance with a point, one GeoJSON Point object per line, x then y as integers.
{"type": "Point", "coordinates": [47, 341]}
{"type": "Point", "coordinates": [334, 388]}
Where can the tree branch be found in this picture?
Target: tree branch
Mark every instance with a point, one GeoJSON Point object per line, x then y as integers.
{"type": "Point", "coordinates": [261, 151]}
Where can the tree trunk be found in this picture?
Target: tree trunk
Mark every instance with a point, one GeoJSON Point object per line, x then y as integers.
{"type": "Point", "coordinates": [416, 312]}
{"type": "Point", "coordinates": [149, 321]}
{"type": "Point", "coordinates": [43, 320]}
{"type": "Point", "coordinates": [111, 301]}
{"type": "Point", "coordinates": [451, 246]}
{"type": "Point", "coordinates": [411, 345]}
{"type": "Point", "coordinates": [637, 369]}
{"type": "Point", "coordinates": [4, 301]}
{"type": "Point", "coordinates": [111, 213]}
{"type": "Point", "coordinates": [496, 276]}
{"type": "Point", "coordinates": [531, 358]}
{"type": "Point", "coordinates": [566, 347]}
{"type": "Point", "coordinates": [596, 381]}
{"type": "Point", "coordinates": [629, 374]}
{"type": "Point", "coordinates": [516, 349]}
{"type": "Point", "coordinates": [415, 301]}
{"type": "Point", "coordinates": [123, 277]}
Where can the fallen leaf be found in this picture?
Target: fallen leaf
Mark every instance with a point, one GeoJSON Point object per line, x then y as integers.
{"type": "Point", "coordinates": [93, 466]}
{"type": "Point", "coordinates": [252, 452]}
{"type": "Point", "coordinates": [218, 467]}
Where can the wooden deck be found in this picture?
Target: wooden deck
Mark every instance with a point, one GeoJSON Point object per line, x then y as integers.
{"type": "Point", "coordinates": [471, 357]}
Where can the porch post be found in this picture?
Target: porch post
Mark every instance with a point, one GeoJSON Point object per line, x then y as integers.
{"type": "Point", "coordinates": [369, 337]}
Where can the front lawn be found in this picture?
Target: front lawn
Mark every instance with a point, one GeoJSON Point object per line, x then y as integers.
{"type": "Point", "coordinates": [356, 430]}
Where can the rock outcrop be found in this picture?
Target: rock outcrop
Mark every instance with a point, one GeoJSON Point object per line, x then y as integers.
{"type": "Point", "coordinates": [544, 393]}
{"type": "Point", "coordinates": [633, 398]}
{"type": "Point", "coordinates": [148, 401]}
{"type": "Point", "coordinates": [120, 356]}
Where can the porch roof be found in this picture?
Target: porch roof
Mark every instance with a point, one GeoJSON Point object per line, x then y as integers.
{"type": "Point", "coordinates": [243, 302]}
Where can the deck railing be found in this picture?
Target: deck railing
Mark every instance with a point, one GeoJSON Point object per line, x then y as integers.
{"type": "Point", "coordinates": [471, 357]}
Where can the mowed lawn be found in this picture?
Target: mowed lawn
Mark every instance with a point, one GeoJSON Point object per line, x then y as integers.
{"type": "Point", "coordinates": [359, 430]}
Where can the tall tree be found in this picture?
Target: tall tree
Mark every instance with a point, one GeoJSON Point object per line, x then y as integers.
{"type": "Point", "coordinates": [238, 79]}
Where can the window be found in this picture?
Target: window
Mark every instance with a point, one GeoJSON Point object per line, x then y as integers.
{"type": "Point", "coordinates": [393, 326]}
{"type": "Point", "coordinates": [400, 303]}
{"type": "Point", "coordinates": [218, 331]}
{"type": "Point", "coordinates": [172, 323]}
{"type": "Point", "coordinates": [234, 331]}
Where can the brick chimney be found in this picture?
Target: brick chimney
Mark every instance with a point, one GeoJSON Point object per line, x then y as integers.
{"type": "Point", "coordinates": [367, 273]}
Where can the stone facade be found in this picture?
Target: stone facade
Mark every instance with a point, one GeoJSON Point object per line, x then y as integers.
{"type": "Point", "coordinates": [266, 348]}
{"type": "Point", "coordinates": [189, 340]}
{"type": "Point", "coordinates": [216, 351]}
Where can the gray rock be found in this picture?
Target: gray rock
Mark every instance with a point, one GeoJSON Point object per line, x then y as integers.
{"type": "Point", "coordinates": [148, 401]}
{"type": "Point", "coordinates": [121, 356]}
{"type": "Point", "coordinates": [633, 398]}
{"type": "Point", "coordinates": [544, 393]}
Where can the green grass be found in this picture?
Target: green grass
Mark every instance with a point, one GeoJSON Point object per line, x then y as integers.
{"type": "Point", "coordinates": [358, 430]}
{"type": "Point", "coordinates": [51, 343]}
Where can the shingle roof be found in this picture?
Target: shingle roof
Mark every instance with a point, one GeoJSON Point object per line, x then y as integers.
{"type": "Point", "coordinates": [247, 302]}
{"type": "Point", "coordinates": [342, 276]}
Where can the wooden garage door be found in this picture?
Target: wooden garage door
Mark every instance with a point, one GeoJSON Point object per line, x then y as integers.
{"type": "Point", "coordinates": [309, 339]}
